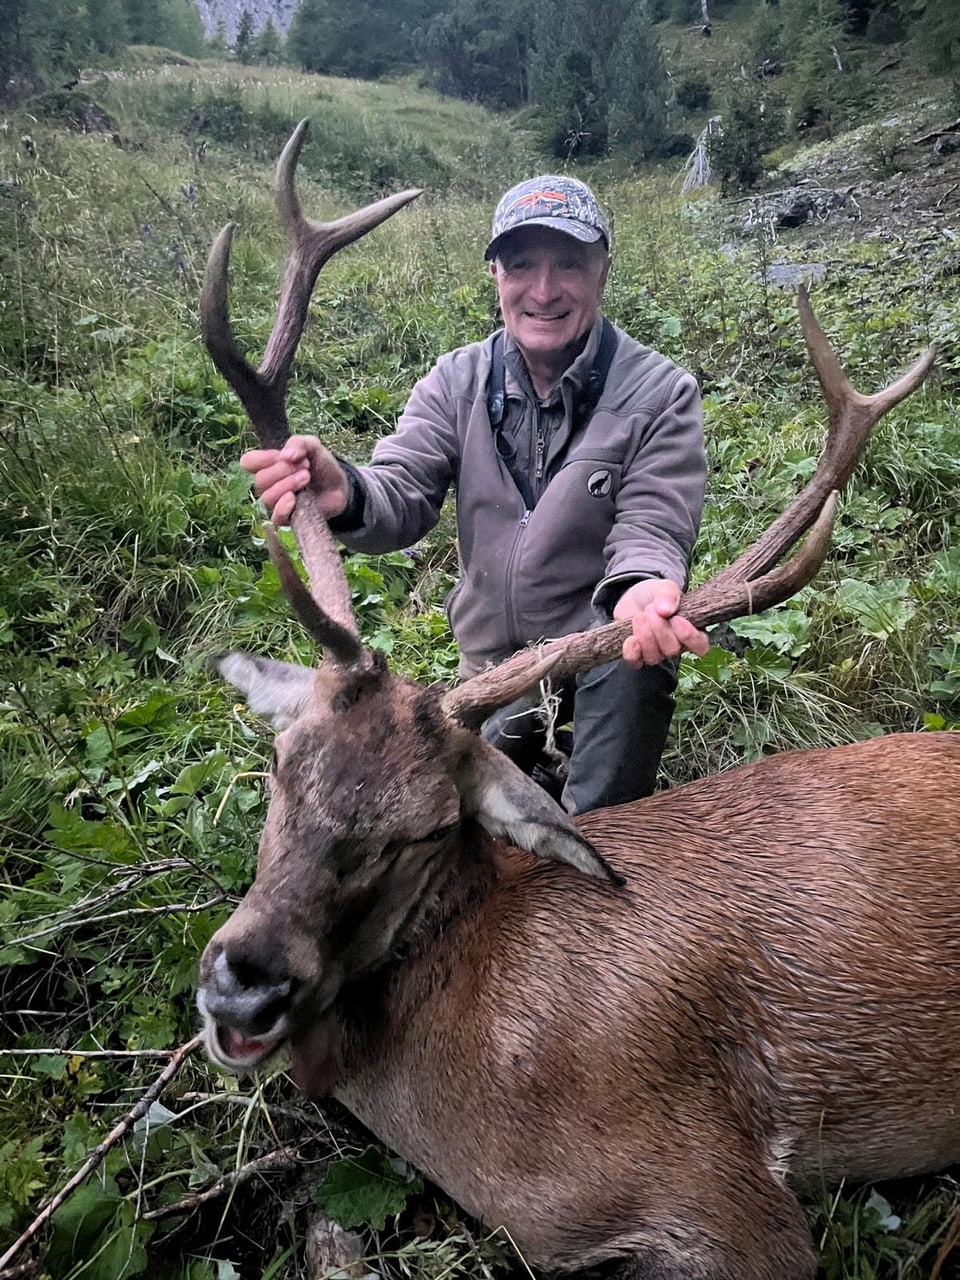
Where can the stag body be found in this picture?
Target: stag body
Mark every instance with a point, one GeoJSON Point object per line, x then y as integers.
{"type": "Point", "coordinates": [620, 1038]}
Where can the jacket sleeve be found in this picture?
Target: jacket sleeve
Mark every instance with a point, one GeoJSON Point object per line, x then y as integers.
{"type": "Point", "coordinates": [661, 496]}
{"type": "Point", "coordinates": [408, 477]}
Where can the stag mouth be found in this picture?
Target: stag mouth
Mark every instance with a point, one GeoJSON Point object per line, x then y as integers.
{"type": "Point", "coordinates": [231, 1048]}
{"type": "Point", "coordinates": [314, 1063]}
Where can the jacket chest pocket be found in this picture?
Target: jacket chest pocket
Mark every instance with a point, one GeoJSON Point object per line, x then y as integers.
{"type": "Point", "coordinates": [591, 481]}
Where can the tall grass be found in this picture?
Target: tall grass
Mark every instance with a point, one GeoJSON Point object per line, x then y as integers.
{"type": "Point", "coordinates": [131, 550]}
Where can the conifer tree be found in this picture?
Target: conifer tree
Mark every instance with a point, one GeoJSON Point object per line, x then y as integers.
{"type": "Point", "coordinates": [938, 32]}
{"type": "Point", "coordinates": [639, 93]}
{"type": "Point", "coordinates": [598, 77]}
{"type": "Point", "coordinates": [243, 45]}
{"type": "Point", "coordinates": [366, 38]}
{"type": "Point", "coordinates": [267, 46]}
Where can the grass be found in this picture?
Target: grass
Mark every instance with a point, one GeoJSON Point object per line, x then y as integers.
{"type": "Point", "coordinates": [129, 797]}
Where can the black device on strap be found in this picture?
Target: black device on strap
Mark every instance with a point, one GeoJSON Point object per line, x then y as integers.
{"type": "Point", "coordinates": [587, 400]}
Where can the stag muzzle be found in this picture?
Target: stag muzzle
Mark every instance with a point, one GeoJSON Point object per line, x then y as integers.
{"type": "Point", "coordinates": [246, 1011]}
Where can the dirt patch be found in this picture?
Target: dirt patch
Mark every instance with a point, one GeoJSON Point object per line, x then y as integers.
{"type": "Point", "coordinates": [891, 180]}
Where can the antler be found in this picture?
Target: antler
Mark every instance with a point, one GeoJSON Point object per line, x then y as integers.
{"type": "Point", "coordinates": [749, 585]}
{"type": "Point", "coordinates": [263, 391]}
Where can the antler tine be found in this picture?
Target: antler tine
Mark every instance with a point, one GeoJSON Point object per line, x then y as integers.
{"type": "Point", "coordinates": [263, 391]}
{"type": "Point", "coordinates": [312, 244]}
{"type": "Point", "coordinates": [852, 416]}
{"type": "Point", "coordinates": [340, 641]}
{"type": "Point", "coordinates": [752, 582]}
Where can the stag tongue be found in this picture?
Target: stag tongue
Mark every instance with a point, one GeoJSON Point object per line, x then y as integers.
{"type": "Point", "coordinates": [313, 1060]}
{"type": "Point", "coordinates": [241, 1048]}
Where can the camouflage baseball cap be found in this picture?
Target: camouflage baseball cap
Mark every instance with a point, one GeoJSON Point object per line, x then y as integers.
{"type": "Point", "coordinates": [561, 203]}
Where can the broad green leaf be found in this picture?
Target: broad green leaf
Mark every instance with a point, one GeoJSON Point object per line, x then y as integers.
{"type": "Point", "coordinates": [365, 1189]}
{"type": "Point", "coordinates": [883, 610]}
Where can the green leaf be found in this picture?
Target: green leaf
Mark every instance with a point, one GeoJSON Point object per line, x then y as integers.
{"type": "Point", "coordinates": [365, 1189]}
{"type": "Point", "coordinates": [194, 776]}
{"type": "Point", "coordinates": [883, 610]}
{"type": "Point", "coordinates": [786, 630]}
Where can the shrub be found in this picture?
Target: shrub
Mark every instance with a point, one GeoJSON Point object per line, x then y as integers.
{"type": "Point", "coordinates": [753, 124]}
{"type": "Point", "coordinates": [693, 92]}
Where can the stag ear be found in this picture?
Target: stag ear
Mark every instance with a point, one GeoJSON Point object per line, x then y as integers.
{"type": "Point", "coordinates": [281, 691]}
{"type": "Point", "coordinates": [507, 803]}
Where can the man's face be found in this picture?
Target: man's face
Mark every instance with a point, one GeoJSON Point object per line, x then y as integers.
{"type": "Point", "coordinates": [550, 287]}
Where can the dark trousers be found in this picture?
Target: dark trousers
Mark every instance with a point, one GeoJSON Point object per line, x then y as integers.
{"type": "Point", "coordinates": [621, 717]}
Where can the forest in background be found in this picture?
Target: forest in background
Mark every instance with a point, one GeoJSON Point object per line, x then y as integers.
{"type": "Point", "coordinates": [589, 78]}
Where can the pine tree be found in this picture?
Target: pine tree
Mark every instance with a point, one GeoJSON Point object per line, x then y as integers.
{"type": "Point", "coordinates": [174, 24]}
{"type": "Point", "coordinates": [266, 46]}
{"type": "Point", "coordinates": [366, 38]}
{"type": "Point", "coordinates": [598, 77]}
{"type": "Point", "coordinates": [639, 93]}
{"type": "Point", "coordinates": [243, 45]}
{"type": "Point", "coordinates": [938, 38]}
{"type": "Point", "coordinates": [828, 86]}
{"type": "Point", "coordinates": [480, 49]}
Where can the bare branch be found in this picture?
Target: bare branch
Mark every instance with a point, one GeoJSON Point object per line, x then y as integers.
{"type": "Point", "coordinates": [281, 1158]}
{"type": "Point", "coordinates": [174, 908]}
{"type": "Point", "coordinates": [84, 1053]}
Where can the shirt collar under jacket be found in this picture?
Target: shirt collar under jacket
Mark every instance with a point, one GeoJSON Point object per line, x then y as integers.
{"type": "Point", "coordinates": [574, 376]}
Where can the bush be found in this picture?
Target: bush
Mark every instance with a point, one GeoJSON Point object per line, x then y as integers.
{"type": "Point", "coordinates": [693, 92]}
{"type": "Point", "coordinates": [753, 124]}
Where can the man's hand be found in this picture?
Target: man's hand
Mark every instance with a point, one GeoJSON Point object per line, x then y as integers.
{"type": "Point", "coordinates": [658, 631]}
{"type": "Point", "coordinates": [280, 474]}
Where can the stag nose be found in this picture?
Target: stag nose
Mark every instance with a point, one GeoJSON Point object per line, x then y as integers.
{"type": "Point", "coordinates": [239, 991]}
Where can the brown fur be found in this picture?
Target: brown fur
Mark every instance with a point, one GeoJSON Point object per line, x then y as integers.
{"type": "Point", "coordinates": [636, 1076]}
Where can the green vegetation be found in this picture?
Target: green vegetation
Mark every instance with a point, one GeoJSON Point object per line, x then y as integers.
{"type": "Point", "coordinates": [130, 789]}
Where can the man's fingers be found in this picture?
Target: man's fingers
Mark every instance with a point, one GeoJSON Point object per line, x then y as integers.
{"type": "Point", "coordinates": [690, 638]}
{"type": "Point", "coordinates": [656, 637]}
{"type": "Point", "coordinates": [271, 482]}
{"type": "Point", "coordinates": [282, 512]}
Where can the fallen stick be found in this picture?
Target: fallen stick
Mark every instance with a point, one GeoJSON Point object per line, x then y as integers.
{"type": "Point", "coordinates": [177, 1059]}
{"type": "Point", "coordinates": [281, 1158]}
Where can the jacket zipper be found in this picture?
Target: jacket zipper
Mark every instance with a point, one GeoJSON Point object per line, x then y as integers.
{"type": "Point", "coordinates": [512, 629]}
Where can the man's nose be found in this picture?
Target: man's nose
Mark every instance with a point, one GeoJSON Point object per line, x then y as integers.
{"type": "Point", "coordinates": [544, 284]}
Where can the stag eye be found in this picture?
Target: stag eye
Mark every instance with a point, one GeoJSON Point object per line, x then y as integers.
{"type": "Point", "coordinates": [440, 834]}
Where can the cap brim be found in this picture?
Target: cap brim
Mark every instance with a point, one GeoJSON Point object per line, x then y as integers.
{"type": "Point", "coordinates": [578, 230]}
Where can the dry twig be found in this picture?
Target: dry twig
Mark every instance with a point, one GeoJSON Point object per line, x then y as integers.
{"type": "Point", "coordinates": [281, 1158]}
{"type": "Point", "coordinates": [172, 909]}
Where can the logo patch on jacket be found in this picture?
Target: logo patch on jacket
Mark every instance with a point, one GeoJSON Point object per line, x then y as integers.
{"type": "Point", "coordinates": [599, 484]}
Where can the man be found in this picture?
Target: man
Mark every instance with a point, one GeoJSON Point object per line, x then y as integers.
{"type": "Point", "coordinates": [578, 461]}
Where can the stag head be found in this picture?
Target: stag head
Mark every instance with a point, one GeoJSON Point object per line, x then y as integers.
{"type": "Point", "coordinates": [387, 813]}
